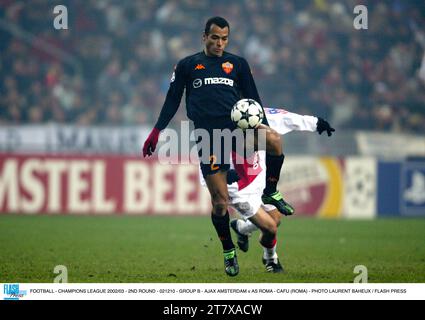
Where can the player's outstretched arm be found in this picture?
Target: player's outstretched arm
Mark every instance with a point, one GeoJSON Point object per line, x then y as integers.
{"type": "Point", "coordinates": [284, 121]}
{"type": "Point", "coordinates": [169, 109]}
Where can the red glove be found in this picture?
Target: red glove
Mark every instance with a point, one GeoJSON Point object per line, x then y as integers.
{"type": "Point", "coordinates": [151, 142]}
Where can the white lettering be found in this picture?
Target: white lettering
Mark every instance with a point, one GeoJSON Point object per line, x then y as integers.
{"type": "Point", "coordinates": [60, 21]}
{"type": "Point", "coordinates": [168, 153]}
{"type": "Point", "coordinates": [54, 170]}
{"type": "Point", "coordinates": [63, 274]}
{"type": "Point", "coordinates": [163, 188]}
{"type": "Point", "coordinates": [136, 187]}
{"type": "Point", "coordinates": [360, 21]}
{"type": "Point", "coordinates": [362, 271]}
{"type": "Point", "coordinates": [186, 187]}
{"type": "Point", "coordinates": [100, 203]}
{"type": "Point", "coordinates": [225, 81]}
{"type": "Point", "coordinates": [77, 185]}
{"type": "Point", "coordinates": [32, 185]}
{"type": "Point", "coordinates": [9, 185]}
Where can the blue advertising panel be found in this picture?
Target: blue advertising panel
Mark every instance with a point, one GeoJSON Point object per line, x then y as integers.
{"type": "Point", "coordinates": [388, 201]}
{"type": "Point", "coordinates": [412, 189]}
{"type": "Point", "coordinates": [401, 188]}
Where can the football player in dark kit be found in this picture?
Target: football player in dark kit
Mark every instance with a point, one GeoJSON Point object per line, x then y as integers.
{"type": "Point", "coordinates": [214, 81]}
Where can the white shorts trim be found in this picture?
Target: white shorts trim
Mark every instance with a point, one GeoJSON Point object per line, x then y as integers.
{"type": "Point", "coordinates": [268, 207]}
{"type": "Point", "coordinates": [248, 200]}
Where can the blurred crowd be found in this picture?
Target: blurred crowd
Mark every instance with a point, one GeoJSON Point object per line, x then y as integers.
{"type": "Point", "coordinates": [113, 64]}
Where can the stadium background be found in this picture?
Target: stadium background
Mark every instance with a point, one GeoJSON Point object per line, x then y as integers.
{"type": "Point", "coordinates": [77, 104]}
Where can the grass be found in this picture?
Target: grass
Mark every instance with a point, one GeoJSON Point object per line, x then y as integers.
{"type": "Point", "coordinates": [186, 249]}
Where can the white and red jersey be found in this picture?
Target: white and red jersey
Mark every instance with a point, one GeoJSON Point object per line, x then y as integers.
{"type": "Point", "coordinates": [284, 121]}
{"type": "Point", "coordinates": [245, 195]}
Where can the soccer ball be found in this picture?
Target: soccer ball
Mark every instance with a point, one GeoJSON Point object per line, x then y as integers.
{"type": "Point", "coordinates": [247, 114]}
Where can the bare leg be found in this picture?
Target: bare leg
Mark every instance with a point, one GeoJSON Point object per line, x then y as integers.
{"type": "Point", "coordinates": [268, 240]}
{"type": "Point", "coordinates": [274, 162]}
{"type": "Point", "coordinates": [217, 186]}
{"type": "Point", "coordinates": [267, 226]}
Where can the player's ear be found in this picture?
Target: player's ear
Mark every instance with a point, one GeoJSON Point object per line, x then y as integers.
{"type": "Point", "coordinates": [204, 36]}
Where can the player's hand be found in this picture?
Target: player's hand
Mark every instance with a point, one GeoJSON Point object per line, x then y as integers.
{"type": "Point", "coordinates": [232, 176]}
{"type": "Point", "coordinates": [323, 125]}
{"type": "Point", "coordinates": [151, 142]}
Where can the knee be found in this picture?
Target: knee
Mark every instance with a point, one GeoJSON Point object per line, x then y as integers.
{"type": "Point", "coordinates": [274, 143]}
{"type": "Point", "coordinates": [276, 216]}
{"type": "Point", "coordinates": [270, 231]}
{"type": "Point", "coordinates": [220, 204]}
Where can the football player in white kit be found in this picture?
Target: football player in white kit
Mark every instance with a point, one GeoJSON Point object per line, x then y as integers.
{"type": "Point", "coordinates": [247, 180]}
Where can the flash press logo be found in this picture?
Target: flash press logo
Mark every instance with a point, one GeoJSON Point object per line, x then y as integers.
{"type": "Point", "coordinates": [12, 292]}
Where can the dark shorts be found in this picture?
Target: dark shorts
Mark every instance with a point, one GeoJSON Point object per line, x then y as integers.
{"type": "Point", "coordinates": [215, 155]}
{"type": "Point", "coordinates": [215, 145]}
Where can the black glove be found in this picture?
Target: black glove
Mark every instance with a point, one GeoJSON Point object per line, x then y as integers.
{"type": "Point", "coordinates": [323, 125]}
{"type": "Point", "coordinates": [232, 176]}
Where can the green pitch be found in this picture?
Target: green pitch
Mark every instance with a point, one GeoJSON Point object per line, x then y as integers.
{"type": "Point", "coordinates": [186, 249]}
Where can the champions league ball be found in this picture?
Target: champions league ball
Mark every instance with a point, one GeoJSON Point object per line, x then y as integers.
{"type": "Point", "coordinates": [247, 114]}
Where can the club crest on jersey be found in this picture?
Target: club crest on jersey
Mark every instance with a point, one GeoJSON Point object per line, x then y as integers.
{"type": "Point", "coordinates": [227, 67]}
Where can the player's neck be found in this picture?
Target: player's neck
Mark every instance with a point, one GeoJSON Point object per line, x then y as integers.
{"type": "Point", "coordinates": [211, 55]}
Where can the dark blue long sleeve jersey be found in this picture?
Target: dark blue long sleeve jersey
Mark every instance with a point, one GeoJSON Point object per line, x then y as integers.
{"type": "Point", "coordinates": [213, 85]}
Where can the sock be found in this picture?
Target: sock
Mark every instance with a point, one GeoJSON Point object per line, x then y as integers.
{"type": "Point", "coordinates": [246, 227]}
{"type": "Point", "coordinates": [270, 250]}
{"type": "Point", "coordinates": [221, 225]}
{"type": "Point", "coordinates": [273, 164]}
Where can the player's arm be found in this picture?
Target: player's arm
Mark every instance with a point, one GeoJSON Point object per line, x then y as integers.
{"type": "Point", "coordinates": [247, 85]}
{"type": "Point", "coordinates": [169, 109]}
{"type": "Point", "coordinates": [284, 121]}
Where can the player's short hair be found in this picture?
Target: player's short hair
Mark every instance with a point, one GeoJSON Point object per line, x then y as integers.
{"type": "Point", "coordinates": [218, 21]}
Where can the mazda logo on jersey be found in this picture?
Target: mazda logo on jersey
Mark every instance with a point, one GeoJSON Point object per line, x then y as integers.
{"type": "Point", "coordinates": [225, 81]}
{"type": "Point", "coordinates": [197, 83]}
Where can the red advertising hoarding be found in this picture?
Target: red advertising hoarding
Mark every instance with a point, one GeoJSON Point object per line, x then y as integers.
{"type": "Point", "coordinates": [99, 185]}
{"type": "Point", "coordinates": [115, 185]}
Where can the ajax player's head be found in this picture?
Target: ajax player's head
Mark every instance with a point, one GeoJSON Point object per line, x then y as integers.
{"type": "Point", "coordinates": [216, 36]}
